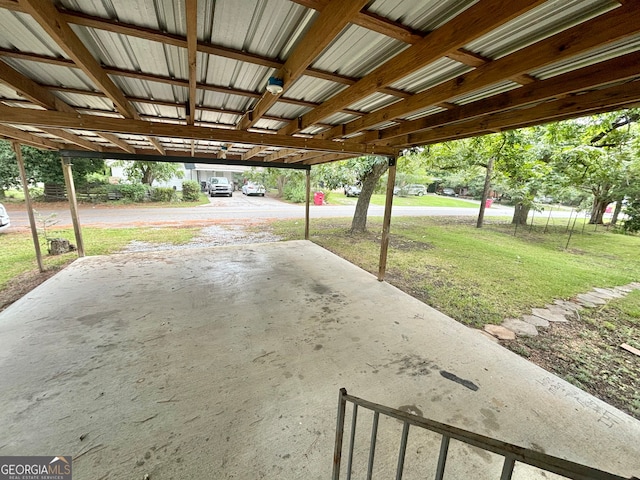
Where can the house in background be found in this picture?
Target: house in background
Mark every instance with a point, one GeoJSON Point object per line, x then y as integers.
{"type": "Point", "coordinates": [200, 172]}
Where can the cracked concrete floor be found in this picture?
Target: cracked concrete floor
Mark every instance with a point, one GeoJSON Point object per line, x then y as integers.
{"type": "Point", "coordinates": [226, 362]}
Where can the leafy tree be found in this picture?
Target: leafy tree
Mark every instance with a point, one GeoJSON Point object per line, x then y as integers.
{"type": "Point", "coordinates": [149, 172]}
{"type": "Point", "coordinates": [368, 171]}
{"type": "Point", "coordinates": [598, 155]}
{"type": "Point", "coordinates": [41, 166]}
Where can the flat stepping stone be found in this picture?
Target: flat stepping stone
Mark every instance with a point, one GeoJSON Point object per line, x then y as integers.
{"type": "Point", "coordinates": [570, 305]}
{"type": "Point", "coordinates": [547, 315]}
{"type": "Point", "coordinates": [603, 296]}
{"type": "Point", "coordinates": [585, 297]}
{"type": "Point", "coordinates": [609, 291]}
{"type": "Point", "coordinates": [586, 304]}
{"type": "Point", "coordinates": [634, 285]}
{"type": "Point", "coordinates": [520, 327]}
{"type": "Point", "coordinates": [491, 337]}
{"type": "Point", "coordinates": [564, 311]}
{"type": "Point", "coordinates": [623, 289]}
{"type": "Point", "coordinates": [536, 321]}
{"type": "Point", "coordinates": [500, 332]}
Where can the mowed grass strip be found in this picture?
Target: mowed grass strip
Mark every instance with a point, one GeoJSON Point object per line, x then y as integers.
{"type": "Point", "coordinates": [480, 276]}
{"type": "Point", "coordinates": [17, 254]}
{"type": "Point", "coordinates": [430, 200]}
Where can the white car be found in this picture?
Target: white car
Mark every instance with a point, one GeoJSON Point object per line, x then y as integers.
{"type": "Point", "coordinates": [4, 218]}
{"type": "Point", "coordinates": [253, 189]}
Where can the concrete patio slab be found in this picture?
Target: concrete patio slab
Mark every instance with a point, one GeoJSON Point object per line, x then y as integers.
{"type": "Point", "coordinates": [226, 362]}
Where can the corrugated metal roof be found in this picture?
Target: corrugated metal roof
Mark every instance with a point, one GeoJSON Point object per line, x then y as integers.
{"type": "Point", "coordinates": [423, 15]}
{"type": "Point", "coordinates": [373, 102]}
{"type": "Point", "coordinates": [357, 51]}
{"type": "Point", "coordinates": [312, 89]}
{"type": "Point", "coordinates": [549, 18]}
{"type": "Point", "coordinates": [431, 75]}
{"type": "Point", "coordinates": [485, 92]}
{"type": "Point", "coordinates": [423, 113]}
{"type": "Point", "coordinates": [21, 32]}
{"type": "Point", "coordinates": [613, 50]}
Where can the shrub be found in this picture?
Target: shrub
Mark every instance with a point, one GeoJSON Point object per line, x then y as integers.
{"type": "Point", "coordinates": [190, 191]}
{"type": "Point", "coordinates": [36, 194]}
{"type": "Point", "coordinates": [134, 192]}
{"type": "Point", "coordinates": [632, 223]}
{"type": "Point", "coordinates": [164, 194]}
{"type": "Point", "coordinates": [294, 192]}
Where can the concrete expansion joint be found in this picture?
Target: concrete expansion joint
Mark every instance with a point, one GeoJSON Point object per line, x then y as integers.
{"type": "Point", "coordinates": [558, 312]}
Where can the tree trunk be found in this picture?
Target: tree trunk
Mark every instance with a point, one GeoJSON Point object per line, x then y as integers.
{"type": "Point", "coordinates": [369, 182]}
{"type": "Point", "coordinates": [597, 211]}
{"type": "Point", "coordinates": [616, 212]}
{"type": "Point", "coordinates": [2, 195]}
{"type": "Point", "coordinates": [485, 193]}
{"type": "Point", "coordinates": [147, 177]}
{"type": "Point", "coordinates": [520, 214]}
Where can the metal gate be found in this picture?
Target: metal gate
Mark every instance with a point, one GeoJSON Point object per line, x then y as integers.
{"type": "Point", "coordinates": [511, 453]}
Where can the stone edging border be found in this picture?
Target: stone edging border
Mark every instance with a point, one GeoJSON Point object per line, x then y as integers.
{"type": "Point", "coordinates": [560, 311]}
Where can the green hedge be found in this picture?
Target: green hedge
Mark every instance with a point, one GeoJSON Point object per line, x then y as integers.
{"type": "Point", "coordinates": [164, 194]}
{"type": "Point", "coordinates": [190, 191]}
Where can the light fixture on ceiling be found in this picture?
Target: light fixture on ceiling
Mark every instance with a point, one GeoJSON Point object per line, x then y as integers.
{"type": "Point", "coordinates": [275, 85]}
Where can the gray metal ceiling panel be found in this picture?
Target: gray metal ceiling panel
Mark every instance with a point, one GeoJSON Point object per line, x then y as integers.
{"type": "Point", "coordinates": [373, 102]}
{"type": "Point", "coordinates": [46, 74]}
{"type": "Point", "coordinates": [265, 27]}
{"type": "Point", "coordinates": [422, 15]}
{"type": "Point", "coordinates": [313, 89]}
{"type": "Point", "coordinates": [485, 92]}
{"type": "Point", "coordinates": [548, 19]}
{"type": "Point", "coordinates": [613, 50]}
{"type": "Point", "coordinates": [21, 32]}
{"type": "Point", "coordinates": [357, 51]}
{"type": "Point", "coordinates": [431, 75]}
{"type": "Point", "coordinates": [423, 113]}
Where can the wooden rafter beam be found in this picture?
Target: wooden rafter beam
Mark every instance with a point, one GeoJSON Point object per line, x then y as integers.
{"type": "Point", "coordinates": [29, 139]}
{"type": "Point", "coordinates": [191, 7]}
{"type": "Point", "coordinates": [44, 98]}
{"type": "Point", "coordinates": [50, 19]}
{"type": "Point", "coordinates": [91, 21]}
{"type": "Point", "coordinates": [253, 152]}
{"type": "Point", "coordinates": [601, 30]}
{"type": "Point", "coordinates": [615, 70]}
{"type": "Point", "coordinates": [606, 99]}
{"type": "Point", "coordinates": [474, 22]}
{"type": "Point", "coordinates": [303, 157]}
{"type": "Point", "coordinates": [328, 157]}
{"type": "Point", "coordinates": [20, 116]}
{"type": "Point", "coordinates": [282, 153]}
{"type": "Point", "coordinates": [331, 21]}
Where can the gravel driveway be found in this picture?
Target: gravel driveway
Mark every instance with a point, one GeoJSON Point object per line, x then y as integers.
{"type": "Point", "coordinates": [212, 236]}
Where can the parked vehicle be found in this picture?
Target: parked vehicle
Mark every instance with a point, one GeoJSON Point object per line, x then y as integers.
{"type": "Point", "coordinates": [352, 190]}
{"type": "Point", "coordinates": [253, 189]}
{"type": "Point", "coordinates": [220, 186]}
{"type": "Point", "coordinates": [448, 192]}
{"type": "Point", "coordinates": [414, 189]}
{"type": "Point", "coordinates": [4, 219]}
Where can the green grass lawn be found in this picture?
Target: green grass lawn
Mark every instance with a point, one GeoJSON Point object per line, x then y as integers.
{"type": "Point", "coordinates": [480, 276]}
{"type": "Point", "coordinates": [17, 253]}
{"type": "Point", "coordinates": [430, 200]}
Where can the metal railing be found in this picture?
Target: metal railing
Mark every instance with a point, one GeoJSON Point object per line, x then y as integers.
{"type": "Point", "coordinates": [511, 453]}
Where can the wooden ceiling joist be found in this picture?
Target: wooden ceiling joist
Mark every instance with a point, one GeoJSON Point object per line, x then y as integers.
{"type": "Point", "coordinates": [606, 28]}
{"type": "Point", "coordinates": [469, 25]}
{"type": "Point", "coordinates": [50, 19]}
{"type": "Point", "coordinates": [48, 119]}
{"type": "Point", "coordinates": [573, 106]}
{"type": "Point", "coordinates": [333, 18]}
{"type": "Point", "coordinates": [614, 70]}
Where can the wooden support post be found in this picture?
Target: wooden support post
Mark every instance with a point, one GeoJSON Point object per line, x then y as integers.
{"type": "Point", "coordinates": [306, 211]}
{"type": "Point", "coordinates": [73, 204]}
{"type": "Point", "coordinates": [27, 199]}
{"type": "Point", "coordinates": [386, 226]}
